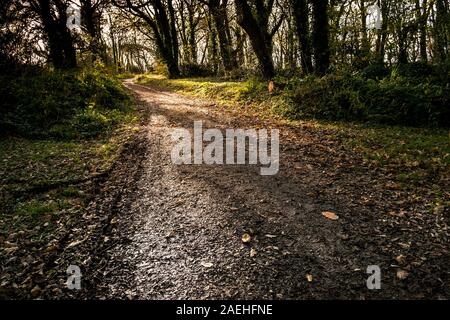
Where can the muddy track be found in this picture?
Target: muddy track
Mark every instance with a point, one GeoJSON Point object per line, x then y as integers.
{"type": "Point", "coordinates": [177, 232]}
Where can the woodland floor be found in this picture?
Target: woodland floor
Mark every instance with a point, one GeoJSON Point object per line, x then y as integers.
{"type": "Point", "coordinates": [155, 230]}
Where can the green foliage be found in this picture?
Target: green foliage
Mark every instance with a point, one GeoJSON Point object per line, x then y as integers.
{"type": "Point", "coordinates": [395, 101]}
{"type": "Point", "coordinates": [441, 73]}
{"type": "Point", "coordinates": [392, 100]}
{"type": "Point", "coordinates": [125, 75]}
{"type": "Point", "coordinates": [331, 98]}
{"type": "Point", "coordinates": [35, 208]}
{"type": "Point", "coordinates": [159, 67]}
{"type": "Point", "coordinates": [61, 104]}
{"type": "Point", "coordinates": [376, 95]}
{"type": "Point", "coordinates": [415, 70]}
{"type": "Point", "coordinates": [194, 70]}
{"type": "Point", "coordinates": [375, 71]}
{"type": "Point", "coordinates": [211, 88]}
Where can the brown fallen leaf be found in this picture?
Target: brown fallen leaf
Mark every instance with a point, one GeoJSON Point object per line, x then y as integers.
{"type": "Point", "coordinates": [404, 245]}
{"type": "Point", "coordinates": [246, 238]}
{"type": "Point", "coordinates": [309, 277]}
{"type": "Point", "coordinates": [271, 87]}
{"type": "Point", "coordinates": [393, 186]}
{"type": "Point", "coordinates": [330, 215]}
{"type": "Point", "coordinates": [51, 248]}
{"type": "Point", "coordinates": [401, 259]}
{"type": "Point", "coordinates": [206, 264]}
{"type": "Point", "coordinates": [402, 274]}
{"type": "Point", "coordinates": [35, 292]}
{"type": "Point", "coordinates": [74, 243]}
{"type": "Point", "coordinates": [252, 252]}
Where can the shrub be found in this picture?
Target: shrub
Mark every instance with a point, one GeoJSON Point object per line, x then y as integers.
{"type": "Point", "coordinates": [159, 67]}
{"type": "Point", "coordinates": [441, 74]}
{"type": "Point", "coordinates": [194, 70]}
{"type": "Point", "coordinates": [392, 100]}
{"type": "Point", "coordinates": [375, 71]}
{"type": "Point", "coordinates": [48, 104]}
{"type": "Point", "coordinates": [414, 70]}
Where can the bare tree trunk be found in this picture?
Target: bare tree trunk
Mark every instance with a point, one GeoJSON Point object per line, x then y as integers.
{"type": "Point", "coordinates": [422, 17]}
{"type": "Point", "coordinates": [365, 46]}
{"type": "Point", "coordinates": [301, 15]}
{"type": "Point", "coordinates": [192, 36]}
{"type": "Point", "coordinates": [60, 41]}
{"type": "Point", "coordinates": [220, 16]}
{"type": "Point", "coordinates": [90, 14]}
{"type": "Point", "coordinates": [320, 36]}
{"type": "Point", "coordinates": [255, 23]}
{"type": "Point", "coordinates": [441, 29]}
{"type": "Point", "coordinates": [212, 44]}
{"type": "Point", "coordinates": [383, 32]}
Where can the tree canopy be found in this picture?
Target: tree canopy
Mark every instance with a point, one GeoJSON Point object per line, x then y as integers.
{"type": "Point", "coordinates": [226, 36]}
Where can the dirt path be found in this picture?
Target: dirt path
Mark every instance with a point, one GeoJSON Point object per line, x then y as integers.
{"type": "Point", "coordinates": [180, 235]}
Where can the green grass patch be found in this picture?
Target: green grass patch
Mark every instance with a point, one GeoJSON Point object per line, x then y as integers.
{"type": "Point", "coordinates": [125, 75]}
{"type": "Point", "coordinates": [25, 162]}
{"type": "Point", "coordinates": [210, 88]}
{"type": "Point", "coordinates": [414, 155]}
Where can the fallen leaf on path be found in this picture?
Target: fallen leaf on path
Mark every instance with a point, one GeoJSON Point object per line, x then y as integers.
{"type": "Point", "coordinates": [35, 292]}
{"type": "Point", "coordinates": [270, 236]}
{"type": "Point", "coordinates": [401, 259]}
{"type": "Point", "coordinates": [74, 243]}
{"type": "Point", "coordinates": [330, 215]}
{"type": "Point", "coordinates": [402, 274]}
{"type": "Point", "coordinates": [206, 264]}
{"type": "Point", "coordinates": [252, 252]}
{"type": "Point", "coordinates": [309, 277]}
{"type": "Point", "coordinates": [404, 245]}
{"type": "Point", "coordinates": [51, 248]}
{"type": "Point", "coordinates": [393, 186]}
{"type": "Point", "coordinates": [246, 238]}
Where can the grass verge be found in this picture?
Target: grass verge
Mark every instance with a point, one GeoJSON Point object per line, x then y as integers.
{"type": "Point", "coordinates": [48, 179]}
